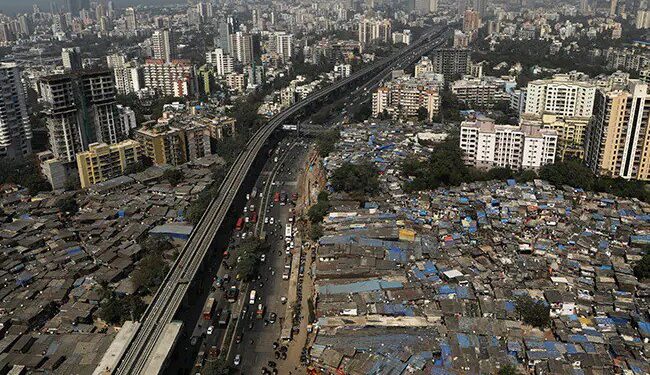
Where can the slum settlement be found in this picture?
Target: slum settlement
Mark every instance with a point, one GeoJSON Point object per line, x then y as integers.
{"type": "Point", "coordinates": [57, 266]}
{"type": "Point", "coordinates": [432, 282]}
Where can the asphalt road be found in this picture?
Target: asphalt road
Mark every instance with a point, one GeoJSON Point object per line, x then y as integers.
{"type": "Point", "coordinates": [277, 176]}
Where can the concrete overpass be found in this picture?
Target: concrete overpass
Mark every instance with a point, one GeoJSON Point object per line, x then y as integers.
{"type": "Point", "coordinates": [150, 341]}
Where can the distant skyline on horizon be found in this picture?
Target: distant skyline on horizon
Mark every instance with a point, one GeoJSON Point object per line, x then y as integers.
{"type": "Point", "coordinates": [12, 7]}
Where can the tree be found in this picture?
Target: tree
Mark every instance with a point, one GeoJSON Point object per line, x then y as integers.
{"type": "Point", "coordinates": [67, 205]}
{"type": "Point", "coordinates": [155, 245]}
{"type": "Point", "coordinates": [362, 114]}
{"type": "Point", "coordinates": [247, 266]}
{"type": "Point", "coordinates": [499, 174]}
{"type": "Point", "coordinates": [444, 167]}
{"type": "Point", "coordinates": [319, 210]}
{"type": "Point", "coordinates": [116, 310]}
{"type": "Point", "coordinates": [150, 272]}
{"type": "Point", "coordinates": [23, 172]}
{"type": "Point", "coordinates": [326, 142]}
{"type": "Point", "coordinates": [535, 313]}
{"type": "Point", "coordinates": [173, 176]}
{"type": "Point", "coordinates": [111, 311]}
{"type": "Point", "coordinates": [137, 167]}
{"type": "Point", "coordinates": [323, 196]}
{"type": "Point", "coordinates": [508, 370]}
{"type": "Point", "coordinates": [570, 172]}
{"type": "Point", "coordinates": [423, 114]}
{"type": "Point", "coordinates": [360, 179]}
{"type": "Point", "coordinates": [315, 231]}
{"type": "Point", "coordinates": [72, 184]}
{"type": "Point", "coordinates": [216, 367]}
{"type": "Point", "coordinates": [198, 206]}
{"type": "Point", "coordinates": [642, 268]}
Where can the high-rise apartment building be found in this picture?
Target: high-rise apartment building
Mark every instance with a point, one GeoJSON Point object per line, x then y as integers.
{"type": "Point", "coordinates": [174, 145]}
{"type": "Point", "coordinates": [471, 21]}
{"type": "Point", "coordinates": [224, 39]}
{"type": "Point", "coordinates": [570, 132]}
{"type": "Point", "coordinates": [131, 23]}
{"type": "Point", "coordinates": [484, 92]}
{"type": "Point", "coordinates": [222, 61]}
{"type": "Point", "coordinates": [71, 58]}
{"type": "Point", "coordinates": [15, 130]}
{"type": "Point", "coordinates": [162, 43]}
{"type": "Point", "coordinates": [236, 81]}
{"type": "Point", "coordinates": [488, 145]}
{"type": "Point", "coordinates": [103, 162]}
{"type": "Point", "coordinates": [242, 47]}
{"type": "Point", "coordinates": [423, 66]}
{"type": "Point", "coordinates": [560, 96]}
{"type": "Point", "coordinates": [402, 37]}
{"type": "Point", "coordinates": [371, 30]}
{"type": "Point", "coordinates": [128, 75]}
{"type": "Point", "coordinates": [451, 62]}
{"type": "Point", "coordinates": [204, 10]}
{"type": "Point", "coordinates": [480, 6]}
{"type": "Point", "coordinates": [433, 6]}
{"type": "Point", "coordinates": [80, 110]}
{"type": "Point", "coordinates": [405, 96]}
{"type": "Point", "coordinates": [176, 78]}
{"type": "Point", "coordinates": [618, 136]}
{"type": "Point", "coordinates": [284, 45]}
{"type": "Point", "coordinates": [642, 20]}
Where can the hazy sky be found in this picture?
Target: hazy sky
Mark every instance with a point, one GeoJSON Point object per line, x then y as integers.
{"type": "Point", "coordinates": [12, 7]}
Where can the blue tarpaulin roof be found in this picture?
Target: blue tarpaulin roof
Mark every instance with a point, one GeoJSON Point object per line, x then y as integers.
{"type": "Point", "coordinates": [642, 239]}
{"type": "Point", "coordinates": [396, 254]}
{"type": "Point", "coordinates": [74, 250]}
{"type": "Point", "coordinates": [359, 287]}
{"type": "Point", "coordinates": [644, 328]}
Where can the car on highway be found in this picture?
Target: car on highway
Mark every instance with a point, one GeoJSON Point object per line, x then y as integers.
{"type": "Point", "coordinates": [237, 339]}
{"type": "Point", "coordinates": [271, 221]}
{"type": "Point", "coordinates": [266, 219]}
{"type": "Point", "coordinates": [272, 318]}
{"type": "Point", "coordinates": [263, 258]}
{"type": "Point", "coordinates": [210, 330]}
{"type": "Point", "coordinates": [237, 360]}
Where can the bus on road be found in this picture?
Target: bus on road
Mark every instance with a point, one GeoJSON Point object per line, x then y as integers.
{"type": "Point", "coordinates": [288, 232]}
{"type": "Point", "coordinates": [207, 308]}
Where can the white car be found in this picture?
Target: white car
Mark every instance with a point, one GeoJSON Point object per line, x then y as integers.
{"type": "Point", "coordinates": [237, 360]}
{"type": "Point", "coordinates": [263, 258]}
{"type": "Point", "coordinates": [271, 221]}
{"type": "Point", "coordinates": [266, 219]}
{"type": "Point", "coordinates": [210, 330]}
